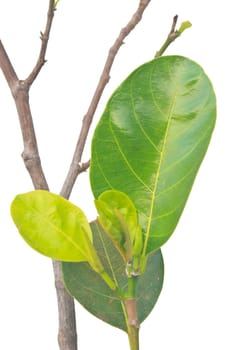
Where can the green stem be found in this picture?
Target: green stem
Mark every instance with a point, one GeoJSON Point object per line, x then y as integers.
{"type": "Point", "coordinates": [132, 281]}
{"type": "Point", "coordinates": [173, 35]}
{"type": "Point", "coordinates": [133, 335]}
{"type": "Point", "coordinates": [131, 308]}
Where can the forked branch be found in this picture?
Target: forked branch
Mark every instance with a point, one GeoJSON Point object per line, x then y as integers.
{"type": "Point", "coordinates": [44, 37]}
{"type": "Point", "coordinates": [67, 336]}
{"type": "Point", "coordinates": [20, 92]}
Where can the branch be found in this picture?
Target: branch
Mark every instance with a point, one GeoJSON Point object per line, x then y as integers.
{"type": "Point", "coordinates": [7, 68]}
{"type": "Point", "coordinates": [19, 90]}
{"type": "Point", "coordinates": [44, 43]}
{"type": "Point", "coordinates": [67, 336]}
{"type": "Point", "coordinates": [20, 93]}
{"type": "Point", "coordinates": [75, 166]}
{"type": "Point", "coordinates": [173, 35]}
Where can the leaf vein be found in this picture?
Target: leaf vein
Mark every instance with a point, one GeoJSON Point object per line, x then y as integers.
{"type": "Point", "coordinates": [140, 124]}
{"type": "Point", "coordinates": [158, 175]}
{"type": "Point", "coordinates": [125, 158]}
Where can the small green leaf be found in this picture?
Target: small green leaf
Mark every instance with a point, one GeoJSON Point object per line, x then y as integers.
{"type": "Point", "coordinates": [55, 4]}
{"type": "Point", "coordinates": [184, 25]}
{"type": "Point", "coordinates": [54, 227]}
{"type": "Point", "coordinates": [119, 218]}
{"type": "Point", "coordinates": [90, 290]}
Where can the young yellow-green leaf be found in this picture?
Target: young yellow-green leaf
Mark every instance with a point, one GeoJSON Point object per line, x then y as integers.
{"type": "Point", "coordinates": [151, 140]}
{"type": "Point", "coordinates": [55, 4]}
{"type": "Point", "coordinates": [118, 216]}
{"type": "Point", "coordinates": [184, 25]}
{"type": "Point", "coordinates": [54, 227]}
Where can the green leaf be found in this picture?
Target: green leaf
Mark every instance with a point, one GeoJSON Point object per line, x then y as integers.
{"type": "Point", "coordinates": [119, 218]}
{"type": "Point", "coordinates": [90, 290]}
{"type": "Point", "coordinates": [151, 139]}
{"type": "Point", "coordinates": [54, 227]}
{"type": "Point", "coordinates": [184, 25]}
{"type": "Point", "coordinates": [55, 4]}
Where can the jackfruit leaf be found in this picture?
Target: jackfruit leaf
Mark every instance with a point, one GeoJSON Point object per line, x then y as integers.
{"type": "Point", "coordinates": [118, 216]}
{"type": "Point", "coordinates": [88, 288]}
{"type": "Point", "coordinates": [151, 140]}
{"type": "Point", "coordinates": [54, 227]}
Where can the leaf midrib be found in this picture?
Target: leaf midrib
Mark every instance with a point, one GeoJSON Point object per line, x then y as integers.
{"type": "Point", "coordinates": [153, 199]}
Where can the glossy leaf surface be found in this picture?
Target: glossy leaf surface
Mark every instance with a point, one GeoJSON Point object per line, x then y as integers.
{"type": "Point", "coordinates": [119, 218]}
{"type": "Point", "coordinates": [54, 227]}
{"type": "Point", "coordinates": [90, 290]}
{"type": "Point", "coordinates": [151, 140]}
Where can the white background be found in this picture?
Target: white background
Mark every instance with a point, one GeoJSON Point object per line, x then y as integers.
{"type": "Point", "coordinates": [195, 309]}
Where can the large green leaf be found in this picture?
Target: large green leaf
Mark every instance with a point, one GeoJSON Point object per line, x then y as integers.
{"type": "Point", "coordinates": [54, 227]}
{"type": "Point", "coordinates": [91, 291]}
{"type": "Point", "coordinates": [151, 140]}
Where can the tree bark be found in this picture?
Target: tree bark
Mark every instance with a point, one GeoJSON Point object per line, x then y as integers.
{"type": "Point", "coordinates": [67, 335]}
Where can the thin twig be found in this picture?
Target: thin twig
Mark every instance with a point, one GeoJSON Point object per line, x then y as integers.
{"type": "Point", "coordinates": [174, 22]}
{"type": "Point", "coordinates": [173, 35]}
{"type": "Point", "coordinates": [75, 166]}
{"type": "Point", "coordinates": [44, 43]}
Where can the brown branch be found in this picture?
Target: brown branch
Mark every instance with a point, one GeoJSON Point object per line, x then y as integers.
{"type": "Point", "coordinates": [173, 28]}
{"type": "Point", "coordinates": [7, 68]}
{"type": "Point", "coordinates": [19, 90]}
{"type": "Point", "coordinates": [74, 170]}
{"type": "Point", "coordinates": [44, 43]}
{"type": "Point", "coordinates": [67, 336]}
{"type": "Point", "coordinates": [30, 153]}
